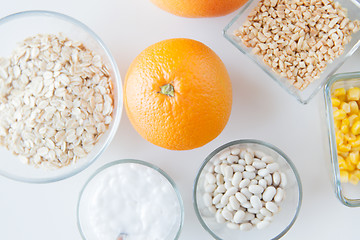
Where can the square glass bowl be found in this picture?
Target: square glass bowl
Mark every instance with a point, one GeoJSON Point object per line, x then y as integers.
{"type": "Point", "coordinates": [347, 193]}
{"type": "Point", "coordinates": [305, 95]}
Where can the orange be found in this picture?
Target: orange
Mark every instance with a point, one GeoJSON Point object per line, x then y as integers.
{"type": "Point", "coordinates": [199, 8]}
{"type": "Point", "coordinates": [178, 94]}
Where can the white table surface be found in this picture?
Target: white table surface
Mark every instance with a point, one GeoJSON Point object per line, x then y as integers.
{"type": "Point", "coordinates": [261, 110]}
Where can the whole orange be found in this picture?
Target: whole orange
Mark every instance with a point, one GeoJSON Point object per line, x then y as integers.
{"type": "Point", "coordinates": [178, 94]}
{"type": "Point", "coordinates": [199, 8]}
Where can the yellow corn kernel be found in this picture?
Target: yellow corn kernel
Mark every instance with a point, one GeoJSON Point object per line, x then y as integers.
{"type": "Point", "coordinates": [345, 106]}
{"type": "Point", "coordinates": [337, 124]}
{"type": "Point", "coordinates": [354, 157]}
{"type": "Point", "coordinates": [339, 136]}
{"type": "Point", "coordinates": [344, 176]}
{"type": "Point", "coordinates": [353, 94]}
{"type": "Point", "coordinates": [344, 147]}
{"type": "Point", "coordinates": [335, 102]}
{"type": "Point", "coordinates": [344, 154]}
{"type": "Point", "coordinates": [339, 92]}
{"type": "Point", "coordinates": [353, 179]}
{"type": "Point", "coordinates": [344, 128]}
{"type": "Point", "coordinates": [342, 163]}
{"type": "Point", "coordinates": [350, 166]}
{"type": "Point", "coordinates": [354, 107]}
{"type": "Point", "coordinates": [339, 114]}
{"type": "Point", "coordinates": [354, 149]}
{"type": "Point", "coordinates": [356, 173]}
{"type": "Point", "coordinates": [350, 137]}
{"type": "Point", "coordinates": [358, 166]}
{"type": "Point", "coordinates": [355, 128]}
{"type": "Point", "coordinates": [353, 118]}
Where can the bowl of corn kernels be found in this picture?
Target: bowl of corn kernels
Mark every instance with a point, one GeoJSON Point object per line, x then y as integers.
{"type": "Point", "coordinates": [342, 101]}
{"type": "Point", "coordinates": [299, 45]}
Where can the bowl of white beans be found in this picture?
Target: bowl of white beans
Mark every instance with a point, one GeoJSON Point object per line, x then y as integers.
{"type": "Point", "coordinates": [249, 189]}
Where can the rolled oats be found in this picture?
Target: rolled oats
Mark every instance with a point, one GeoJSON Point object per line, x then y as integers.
{"type": "Point", "coordinates": [56, 100]}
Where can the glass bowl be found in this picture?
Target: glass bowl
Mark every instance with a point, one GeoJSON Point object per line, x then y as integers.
{"type": "Point", "coordinates": [289, 208]}
{"type": "Point", "coordinates": [347, 193]}
{"type": "Point", "coordinates": [305, 95]}
{"type": "Point", "coordinates": [123, 177]}
{"type": "Point", "coordinates": [17, 27]}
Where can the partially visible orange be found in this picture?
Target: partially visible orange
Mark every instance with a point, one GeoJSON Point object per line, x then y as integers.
{"type": "Point", "coordinates": [178, 94]}
{"type": "Point", "coordinates": [199, 8]}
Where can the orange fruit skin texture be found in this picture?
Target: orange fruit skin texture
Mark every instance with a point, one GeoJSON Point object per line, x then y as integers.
{"type": "Point", "coordinates": [201, 106]}
{"type": "Point", "coordinates": [199, 8]}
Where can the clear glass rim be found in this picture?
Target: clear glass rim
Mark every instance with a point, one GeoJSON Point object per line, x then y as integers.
{"type": "Point", "coordinates": [146, 164]}
{"type": "Point", "coordinates": [257, 142]}
{"type": "Point", "coordinates": [117, 81]}
{"type": "Point", "coordinates": [332, 139]}
{"type": "Point", "coordinates": [273, 76]}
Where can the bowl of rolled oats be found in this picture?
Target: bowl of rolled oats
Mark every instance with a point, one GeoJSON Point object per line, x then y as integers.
{"type": "Point", "coordinates": [298, 43]}
{"type": "Point", "coordinates": [60, 96]}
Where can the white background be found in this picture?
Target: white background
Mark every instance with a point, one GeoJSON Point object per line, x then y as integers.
{"type": "Point", "coordinates": [261, 110]}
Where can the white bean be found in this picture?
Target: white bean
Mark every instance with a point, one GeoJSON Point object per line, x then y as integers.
{"type": "Point", "coordinates": [242, 153]}
{"type": "Point", "coordinates": [238, 167]}
{"type": "Point", "coordinates": [265, 212]}
{"type": "Point", "coordinates": [263, 172]}
{"type": "Point", "coordinates": [216, 162]}
{"type": "Point", "coordinates": [217, 169]}
{"type": "Point", "coordinates": [268, 218]}
{"type": "Point", "coordinates": [267, 159]}
{"type": "Point", "coordinates": [249, 216]}
{"type": "Point", "coordinates": [241, 197]}
{"type": "Point", "coordinates": [250, 151]}
{"type": "Point", "coordinates": [210, 178]}
{"type": "Point", "coordinates": [229, 207]}
{"type": "Point", "coordinates": [242, 162]}
{"type": "Point", "coordinates": [269, 193]}
{"type": "Point", "coordinates": [249, 175]}
{"type": "Point", "coordinates": [210, 188]}
{"type": "Point", "coordinates": [239, 216]}
{"type": "Point", "coordinates": [231, 159]}
{"type": "Point", "coordinates": [235, 204]}
{"type": "Point", "coordinates": [259, 164]}
{"type": "Point", "coordinates": [248, 158]}
{"type": "Point", "coordinates": [279, 196]}
{"type": "Point", "coordinates": [227, 214]}
{"type": "Point", "coordinates": [222, 168]}
{"type": "Point", "coordinates": [224, 154]}
{"type": "Point", "coordinates": [268, 179]}
{"type": "Point", "coordinates": [231, 191]}
{"type": "Point", "coordinates": [244, 183]}
{"type": "Point", "coordinates": [246, 226]}
{"type": "Point", "coordinates": [207, 199]}
{"type": "Point", "coordinates": [263, 183]}
{"type": "Point", "coordinates": [219, 217]}
{"type": "Point", "coordinates": [236, 179]}
{"type": "Point", "coordinates": [232, 225]}
{"type": "Point", "coordinates": [256, 202]}
{"type": "Point", "coordinates": [228, 185]}
{"type": "Point", "coordinates": [272, 207]}
{"type": "Point", "coordinates": [228, 172]}
{"type": "Point", "coordinates": [246, 192]}
{"type": "Point", "coordinates": [256, 189]}
{"type": "Point", "coordinates": [224, 199]}
{"type": "Point", "coordinates": [253, 210]}
{"type": "Point", "coordinates": [246, 204]}
{"type": "Point", "coordinates": [250, 168]}
{"type": "Point", "coordinates": [220, 189]}
{"type": "Point", "coordinates": [260, 216]}
{"type": "Point", "coordinates": [217, 198]}
{"type": "Point", "coordinates": [220, 205]}
{"type": "Point", "coordinates": [255, 221]}
{"type": "Point", "coordinates": [283, 181]}
{"type": "Point", "coordinates": [235, 151]}
{"type": "Point", "coordinates": [276, 179]}
{"type": "Point", "coordinates": [272, 167]}
{"type": "Point", "coordinates": [262, 224]}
